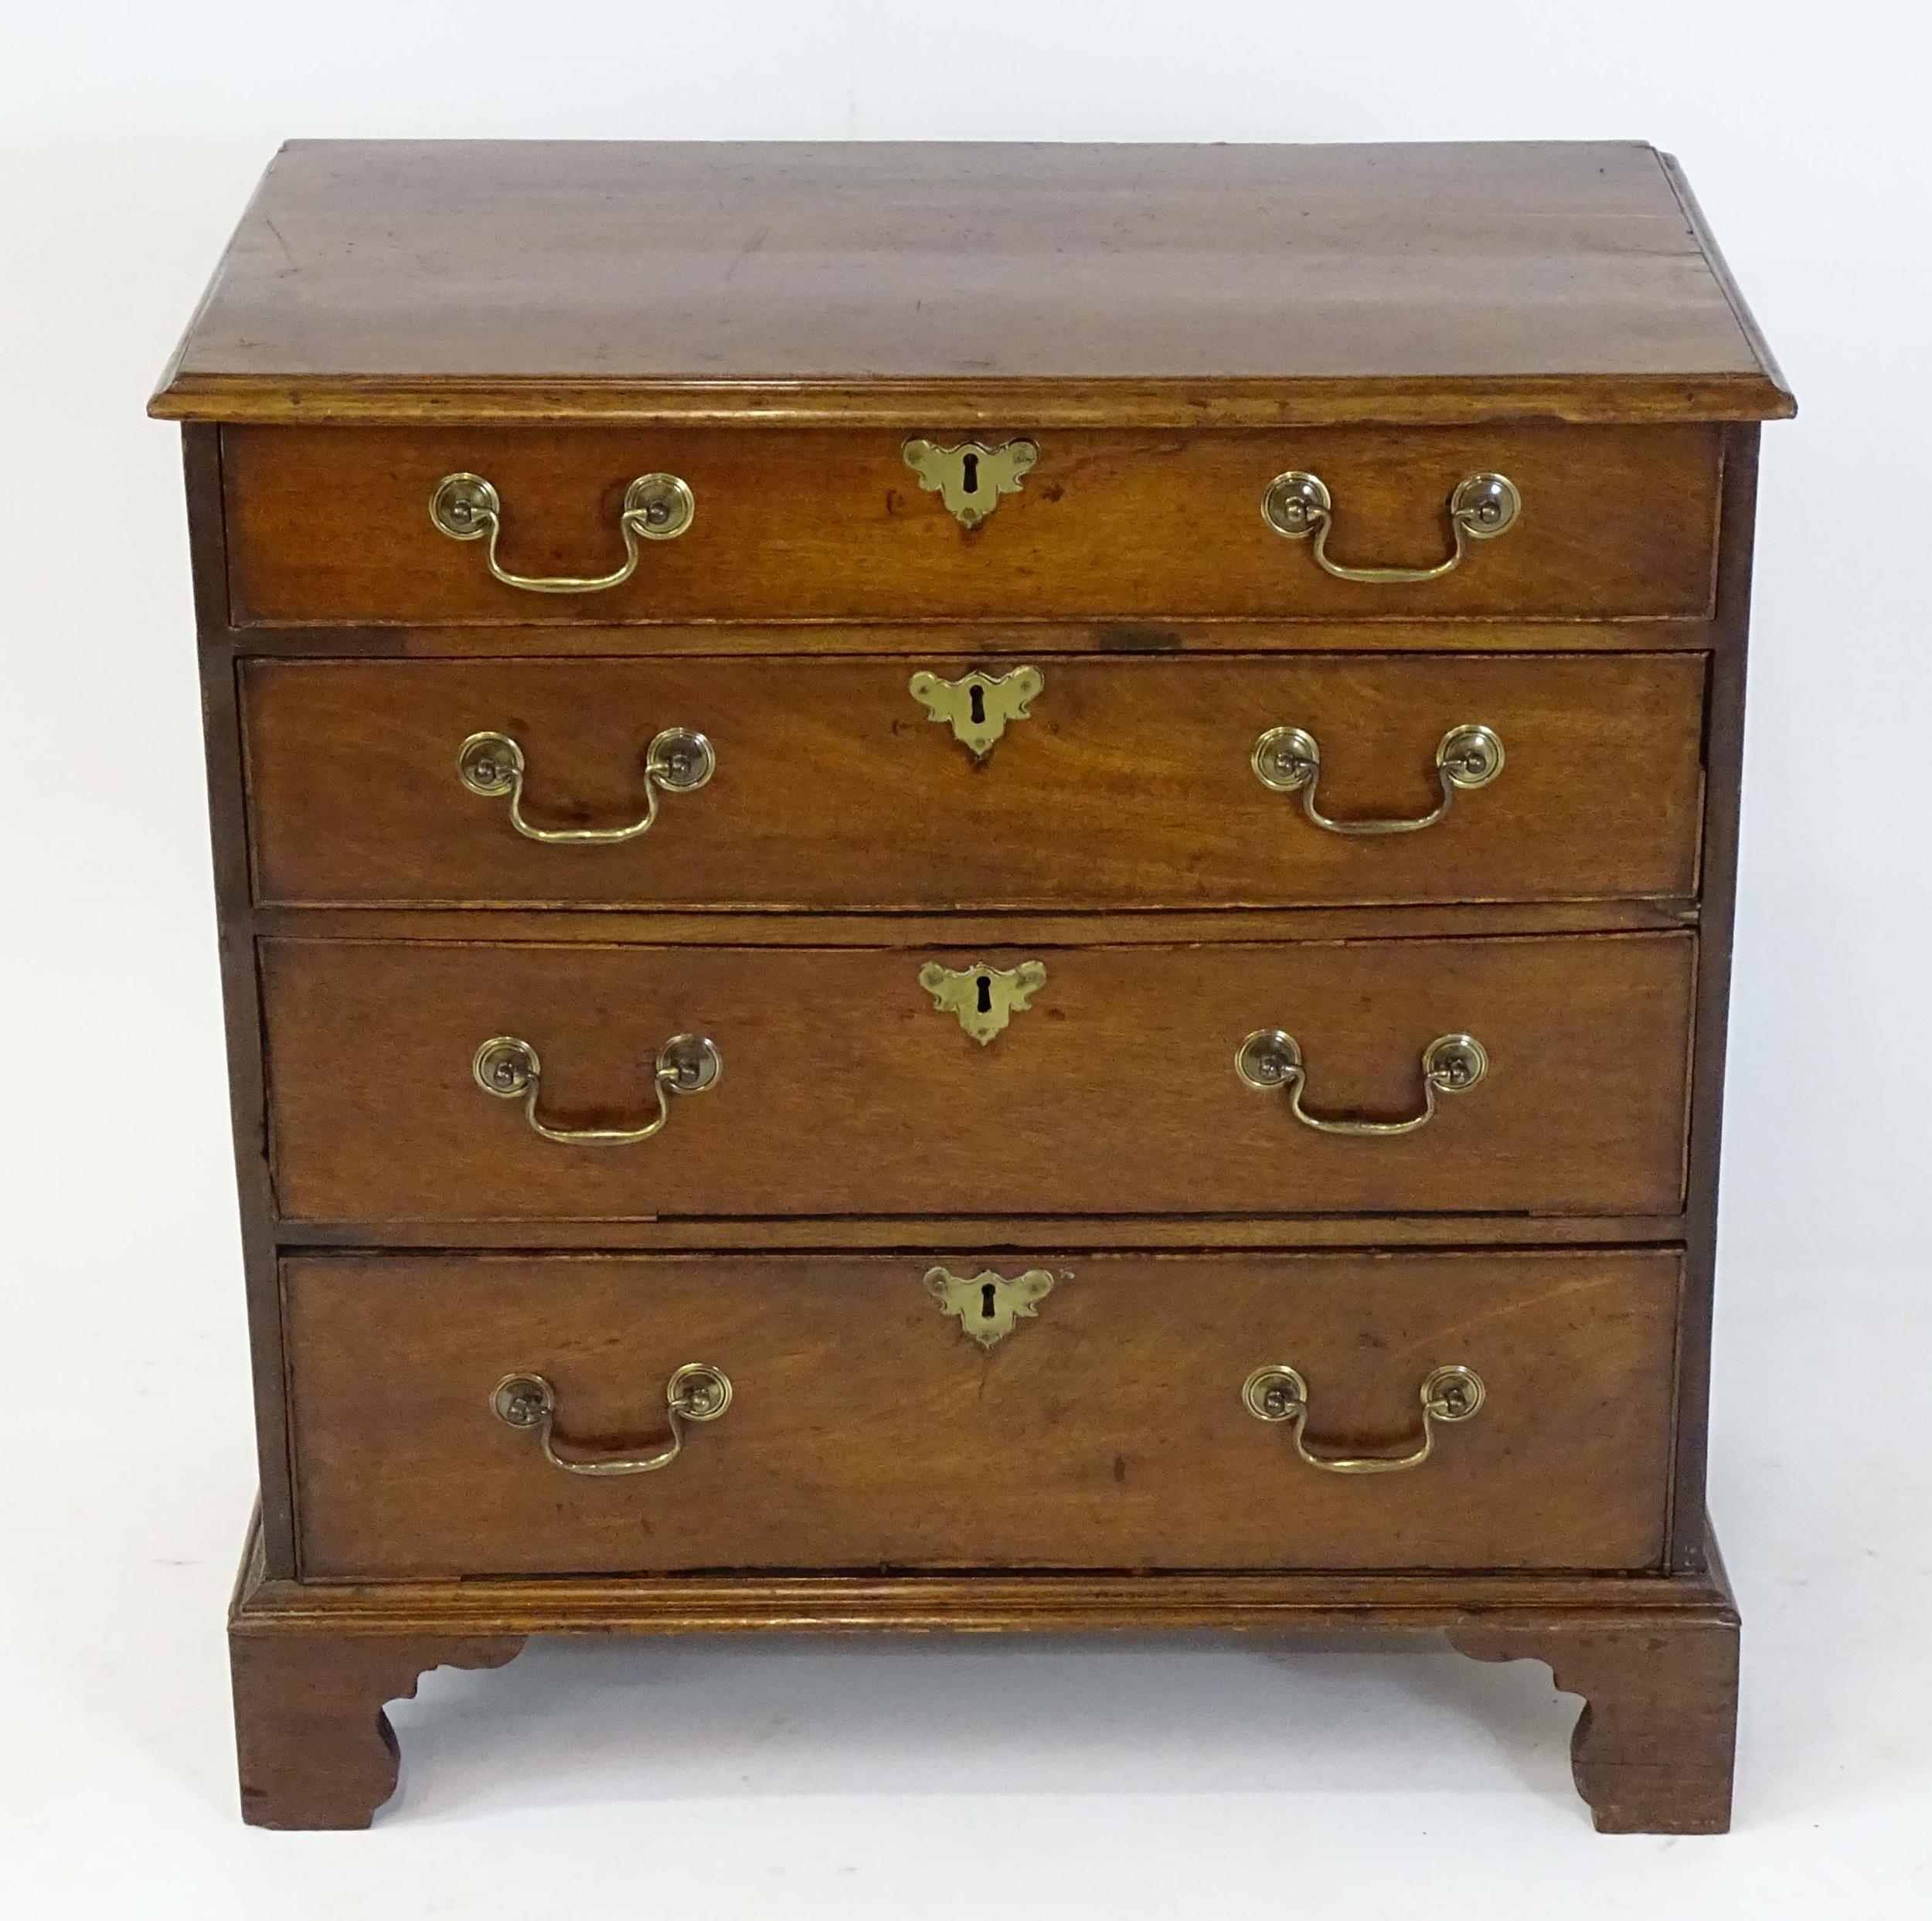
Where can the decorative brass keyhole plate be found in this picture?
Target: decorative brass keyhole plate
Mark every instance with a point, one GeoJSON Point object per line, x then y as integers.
{"type": "Point", "coordinates": [971, 477]}
{"type": "Point", "coordinates": [978, 706]}
{"type": "Point", "coordinates": [984, 999]}
{"type": "Point", "coordinates": [988, 1304]}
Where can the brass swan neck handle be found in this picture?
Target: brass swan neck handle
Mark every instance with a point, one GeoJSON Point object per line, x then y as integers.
{"type": "Point", "coordinates": [679, 760]}
{"type": "Point", "coordinates": [1271, 1058]}
{"type": "Point", "coordinates": [1279, 1394]}
{"type": "Point", "coordinates": [656, 507]}
{"type": "Point", "coordinates": [1288, 760]}
{"type": "Point", "coordinates": [1480, 506]}
{"type": "Point", "coordinates": [697, 1391]}
{"type": "Point", "coordinates": [509, 1069]}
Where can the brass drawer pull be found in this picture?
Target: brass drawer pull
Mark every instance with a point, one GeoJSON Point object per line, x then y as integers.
{"type": "Point", "coordinates": [656, 507]}
{"type": "Point", "coordinates": [509, 1069]}
{"type": "Point", "coordinates": [678, 761]}
{"type": "Point", "coordinates": [1480, 508]}
{"type": "Point", "coordinates": [1288, 760]}
{"type": "Point", "coordinates": [1451, 1064]}
{"type": "Point", "coordinates": [1279, 1393]}
{"type": "Point", "coordinates": [695, 1392]}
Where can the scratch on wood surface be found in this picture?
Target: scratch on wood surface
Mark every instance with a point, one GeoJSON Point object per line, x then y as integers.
{"type": "Point", "coordinates": [751, 247]}
{"type": "Point", "coordinates": [1529, 1304]}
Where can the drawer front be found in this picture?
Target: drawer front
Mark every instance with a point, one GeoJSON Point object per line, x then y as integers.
{"type": "Point", "coordinates": [333, 524]}
{"type": "Point", "coordinates": [1108, 1429]}
{"type": "Point", "coordinates": [848, 1088]}
{"type": "Point", "coordinates": [1060, 783]}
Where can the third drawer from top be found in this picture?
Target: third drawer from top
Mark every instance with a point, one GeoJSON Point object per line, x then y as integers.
{"type": "Point", "coordinates": [473, 1080]}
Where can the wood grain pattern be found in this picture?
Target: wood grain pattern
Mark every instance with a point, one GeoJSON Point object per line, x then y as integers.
{"type": "Point", "coordinates": [994, 642]}
{"type": "Point", "coordinates": [549, 280]}
{"type": "Point", "coordinates": [846, 1092]}
{"type": "Point", "coordinates": [1128, 784]}
{"type": "Point", "coordinates": [1175, 325]}
{"type": "Point", "coordinates": [1653, 1749]}
{"type": "Point", "coordinates": [228, 830]}
{"type": "Point", "coordinates": [1645, 1648]}
{"type": "Point", "coordinates": [1151, 927]}
{"type": "Point", "coordinates": [313, 1746]}
{"type": "Point", "coordinates": [971, 1601]}
{"type": "Point", "coordinates": [868, 1430]}
{"type": "Point", "coordinates": [332, 525]}
{"type": "Point", "coordinates": [928, 1233]}
{"type": "Point", "coordinates": [1723, 798]}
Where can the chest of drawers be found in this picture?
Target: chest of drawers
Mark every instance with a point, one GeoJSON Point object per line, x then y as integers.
{"type": "Point", "coordinates": [977, 888]}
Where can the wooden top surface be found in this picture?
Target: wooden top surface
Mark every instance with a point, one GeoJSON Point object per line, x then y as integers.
{"type": "Point", "coordinates": [937, 284]}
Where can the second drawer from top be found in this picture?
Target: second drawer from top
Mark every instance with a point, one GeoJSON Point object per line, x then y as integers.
{"type": "Point", "coordinates": [1055, 783]}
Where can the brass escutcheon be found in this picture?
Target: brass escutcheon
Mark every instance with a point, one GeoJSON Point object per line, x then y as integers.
{"type": "Point", "coordinates": [971, 477]}
{"type": "Point", "coordinates": [984, 999]}
{"type": "Point", "coordinates": [988, 1304]}
{"type": "Point", "coordinates": [978, 706]}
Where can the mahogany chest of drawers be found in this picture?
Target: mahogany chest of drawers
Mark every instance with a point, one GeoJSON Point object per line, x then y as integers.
{"type": "Point", "coordinates": [975, 887]}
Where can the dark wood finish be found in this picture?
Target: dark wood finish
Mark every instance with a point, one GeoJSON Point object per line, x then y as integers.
{"type": "Point", "coordinates": [1653, 1748]}
{"type": "Point", "coordinates": [845, 1090]}
{"type": "Point", "coordinates": [868, 1430]}
{"type": "Point", "coordinates": [1560, 311]}
{"type": "Point", "coordinates": [1655, 1656]}
{"type": "Point", "coordinates": [1128, 785]}
{"type": "Point", "coordinates": [994, 643]}
{"type": "Point", "coordinates": [1723, 793]}
{"type": "Point", "coordinates": [315, 1748]}
{"type": "Point", "coordinates": [332, 525]}
{"type": "Point", "coordinates": [934, 1235]}
{"type": "Point", "coordinates": [971, 1601]}
{"type": "Point", "coordinates": [227, 810]}
{"type": "Point", "coordinates": [1142, 928]}
{"type": "Point", "coordinates": [1132, 284]}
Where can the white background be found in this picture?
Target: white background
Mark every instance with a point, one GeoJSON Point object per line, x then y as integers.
{"type": "Point", "coordinates": [909, 1778]}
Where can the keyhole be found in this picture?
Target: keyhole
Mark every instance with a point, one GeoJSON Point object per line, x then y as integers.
{"type": "Point", "coordinates": [976, 703]}
{"type": "Point", "coordinates": [986, 995]}
{"type": "Point", "coordinates": [986, 1301]}
{"type": "Point", "coordinates": [969, 474]}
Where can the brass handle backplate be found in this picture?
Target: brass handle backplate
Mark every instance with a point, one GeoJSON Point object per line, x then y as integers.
{"type": "Point", "coordinates": [509, 1068]}
{"type": "Point", "coordinates": [1287, 761]}
{"type": "Point", "coordinates": [678, 761]}
{"type": "Point", "coordinates": [656, 507]}
{"type": "Point", "coordinates": [1279, 1393]}
{"type": "Point", "coordinates": [1451, 1064]}
{"type": "Point", "coordinates": [1480, 508]}
{"type": "Point", "coordinates": [695, 1392]}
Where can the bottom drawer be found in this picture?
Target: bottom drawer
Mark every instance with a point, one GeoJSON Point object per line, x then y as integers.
{"type": "Point", "coordinates": [869, 1427]}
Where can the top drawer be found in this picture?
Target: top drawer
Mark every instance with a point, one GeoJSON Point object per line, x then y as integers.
{"type": "Point", "coordinates": [333, 525]}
